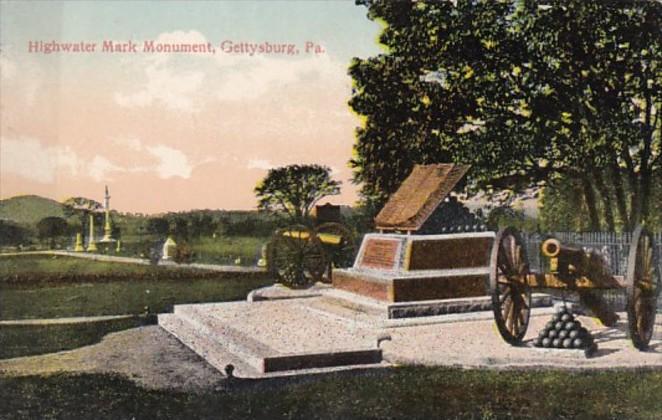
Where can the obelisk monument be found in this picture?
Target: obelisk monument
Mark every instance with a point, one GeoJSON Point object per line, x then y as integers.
{"type": "Point", "coordinates": [107, 227]}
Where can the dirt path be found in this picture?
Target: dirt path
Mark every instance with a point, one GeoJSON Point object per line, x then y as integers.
{"type": "Point", "coordinates": [148, 355]}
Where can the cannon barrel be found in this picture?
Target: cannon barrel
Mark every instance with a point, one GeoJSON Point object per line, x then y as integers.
{"type": "Point", "coordinates": [570, 263]}
{"type": "Point", "coordinates": [553, 248]}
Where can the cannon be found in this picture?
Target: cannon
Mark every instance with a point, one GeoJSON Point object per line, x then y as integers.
{"type": "Point", "coordinates": [298, 255]}
{"type": "Point", "coordinates": [573, 269]}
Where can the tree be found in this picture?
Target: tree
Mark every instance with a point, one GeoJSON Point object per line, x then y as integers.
{"type": "Point", "coordinates": [83, 207]}
{"type": "Point", "coordinates": [12, 233]}
{"type": "Point", "coordinates": [295, 189]}
{"type": "Point", "coordinates": [158, 226]}
{"type": "Point", "coordinates": [528, 94]}
{"type": "Point", "coordinates": [51, 228]}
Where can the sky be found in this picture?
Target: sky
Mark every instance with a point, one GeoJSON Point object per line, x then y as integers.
{"type": "Point", "coordinates": [172, 131]}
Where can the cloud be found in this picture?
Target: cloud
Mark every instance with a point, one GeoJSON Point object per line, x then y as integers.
{"type": "Point", "coordinates": [255, 76]}
{"type": "Point", "coordinates": [100, 167]}
{"type": "Point", "coordinates": [165, 84]}
{"type": "Point", "coordinates": [30, 159]}
{"type": "Point", "coordinates": [232, 77]}
{"type": "Point", "coordinates": [260, 164]}
{"type": "Point", "coordinates": [164, 87]}
{"type": "Point", "coordinates": [172, 162]}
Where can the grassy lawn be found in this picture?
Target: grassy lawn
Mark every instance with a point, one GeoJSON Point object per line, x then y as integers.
{"type": "Point", "coordinates": [226, 249]}
{"type": "Point", "coordinates": [24, 265]}
{"type": "Point", "coordinates": [28, 340]}
{"type": "Point", "coordinates": [119, 297]}
{"type": "Point", "coordinates": [47, 287]}
{"type": "Point", "coordinates": [401, 393]}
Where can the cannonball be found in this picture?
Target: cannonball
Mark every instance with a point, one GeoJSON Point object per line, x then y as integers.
{"type": "Point", "coordinates": [543, 333]}
{"type": "Point", "coordinates": [552, 334]}
{"type": "Point", "coordinates": [570, 325]}
{"type": "Point", "coordinates": [567, 343]}
{"type": "Point", "coordinates": [567, 317]}
{"type": "Point", "coordinates": [560, 308]}
{"type": "Point", "coordinates": [573, 333]}
{"type": "Point", "coordinates": [538, 341]}
{"type": "Point", "coordinates": [562, 334]}
{"type": "Point", "coordinates": [578, 343]}
{"type": "Point", "coordinates": [546, 342]}
{"type": "Point", "coordinates": [559, 325]}
{"type": "Point", "coordinates": [550, 325]}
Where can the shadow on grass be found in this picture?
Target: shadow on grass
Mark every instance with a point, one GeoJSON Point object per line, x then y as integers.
{"type": "Point", "coordinates": [29, 340]}
{"type": "Point", "coordinates": [398, 393]}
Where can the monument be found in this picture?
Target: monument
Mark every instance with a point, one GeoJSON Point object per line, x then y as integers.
{"type": "Point", "coordinates": [79, 243]}
{"type": "Point", "coordinates": [91, 243]}
{"type": "Point", "coordinates": [169, 247]}
{"type": "Point", "coordinates": [398, 266]}
{"type": "Point", "coordinates": [107, 227]}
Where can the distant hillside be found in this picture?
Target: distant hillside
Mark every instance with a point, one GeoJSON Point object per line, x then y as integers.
{"type": "Point", "coordinates": [29, 209]}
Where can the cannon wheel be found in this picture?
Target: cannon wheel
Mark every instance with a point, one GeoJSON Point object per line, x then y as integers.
{"type": "Point", "coordinates": [340, 255]}
{"type": "Point", "coordinates": [296, 256]}
{"type": "Point", "coordinates": [511, 296]}
{"type": "Point", "coordinates": [643, 288]}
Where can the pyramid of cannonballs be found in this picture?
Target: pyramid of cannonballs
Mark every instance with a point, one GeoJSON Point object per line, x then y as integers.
{"type": "Point", "coordinates": [563, 331]}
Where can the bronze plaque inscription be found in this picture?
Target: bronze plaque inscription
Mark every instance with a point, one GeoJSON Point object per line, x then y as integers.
{"type": "Point", "coordinates": [380, 253]}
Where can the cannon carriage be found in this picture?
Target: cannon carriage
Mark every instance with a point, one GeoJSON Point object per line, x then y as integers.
{"type": "Point", "coordinates": [573, 269]}
{"type": "Point", "coordinates": [298, 255]}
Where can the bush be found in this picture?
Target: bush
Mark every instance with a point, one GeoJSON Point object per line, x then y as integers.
{"type": "Point", "coordinates": [183, 253]}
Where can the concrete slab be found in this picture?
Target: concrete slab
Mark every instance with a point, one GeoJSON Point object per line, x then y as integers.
{"type": "Point", "coordinates": [270, 336]}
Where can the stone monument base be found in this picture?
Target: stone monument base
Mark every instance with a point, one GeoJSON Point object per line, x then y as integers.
{"type": "Point", "coordinates": [401, 286]}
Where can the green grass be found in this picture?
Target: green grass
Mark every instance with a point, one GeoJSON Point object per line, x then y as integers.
{"type": "Point", "coordinates": [57, 265]}
{"type": "Point", "coordinates": [120, 297]}
{"type": "Point", "coordinates": [27, 340]}
{"type": "Point", "coordinates": [225, 249]}
{"type": "Point", "coordinates": [55, 287]}
{"type": "Point", "coordinates": [401, 393]}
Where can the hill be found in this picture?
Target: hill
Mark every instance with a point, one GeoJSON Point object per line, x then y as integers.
{"type": "Point", "coordinates": [29, 209]}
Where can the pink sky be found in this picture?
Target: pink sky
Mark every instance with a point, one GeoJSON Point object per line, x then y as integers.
{"type": "Point", "coordinates": [168, 132]}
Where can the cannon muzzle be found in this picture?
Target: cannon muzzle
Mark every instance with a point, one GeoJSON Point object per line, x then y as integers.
{"type": "Point", "coordinates": [551, 248]}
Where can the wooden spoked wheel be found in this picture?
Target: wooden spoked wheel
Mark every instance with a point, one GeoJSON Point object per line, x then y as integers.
{"type": "Point", "coordinates": [643, 288]}
{"type": "Point", "coordinates": [339, 243]}
{"type": "Point", "coordinates": [296, 256]}
{"type": "Point", "coordinates": [511, 295]}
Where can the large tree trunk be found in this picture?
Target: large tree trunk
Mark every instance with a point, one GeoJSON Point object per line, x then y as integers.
{"type": "Point", "coordinates": [619, 192]}
{"type": "Point", "coordinates": [606, 200]}
{"type": "Point", "coordinates": [589, 196]}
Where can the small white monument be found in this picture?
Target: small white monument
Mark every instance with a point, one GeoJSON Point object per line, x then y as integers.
{"type": "Point", "coordinates": [169, 248]}
{"type": "Point", "coordinates": [91, 245]}
{"type": "Point", "coordinates": [107, 228]}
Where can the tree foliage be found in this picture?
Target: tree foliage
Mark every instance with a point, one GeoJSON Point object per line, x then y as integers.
{"type": "Point", "coordinates": [51, 228]}
{"type": "Point", "coordinates": [13, 234]}
{"type": "Point", "coordinates": [295, 189]}
{"type": "Point", "coordinates": [83, 208]}
{"type": "Point", "coordinates": [158, 226]}
{"type": "Point", "coordinates": [527, 92]}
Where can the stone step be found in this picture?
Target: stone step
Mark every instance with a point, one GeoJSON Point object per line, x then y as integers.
{"type": "Point", "coordinates": [209, 349]}
{"type": "Point", "coordinates": [271, 336]}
